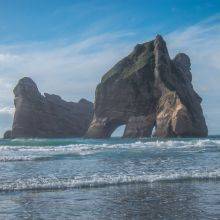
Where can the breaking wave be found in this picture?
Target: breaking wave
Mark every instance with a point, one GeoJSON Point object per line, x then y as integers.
{"type": "Point", "coordinates": [29, 153]}
{"type": "Point", "coordinates": [42, 183]}
{"type": "Point", "coordinates": [15, 158]}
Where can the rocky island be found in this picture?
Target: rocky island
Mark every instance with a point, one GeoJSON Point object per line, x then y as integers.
{"type": "Point", "coordinates": [146, 90]}
{"type": "Point", "coordinates": [47, 116]}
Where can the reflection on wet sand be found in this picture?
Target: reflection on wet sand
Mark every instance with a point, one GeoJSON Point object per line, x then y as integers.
{"type": "Point", "coordinates": [180, 200]}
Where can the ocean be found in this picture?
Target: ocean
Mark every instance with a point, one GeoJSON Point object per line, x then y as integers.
{"type": "Point", "coordinates": [110, 179]}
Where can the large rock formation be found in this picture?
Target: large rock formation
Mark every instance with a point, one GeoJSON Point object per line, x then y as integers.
{"type": "Point", "coordinates": [147, 89]}
{"type": "Point", "coordinates": [47, 116]}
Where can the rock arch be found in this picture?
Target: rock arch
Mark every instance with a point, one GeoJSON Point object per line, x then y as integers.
{"type": "Point", "coordinates": [147, 89]}
{"type": "Point", "coordinates": [119, 131]}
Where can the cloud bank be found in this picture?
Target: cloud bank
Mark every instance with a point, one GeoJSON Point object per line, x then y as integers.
{"type": "Point", "coordinates": [202, 43]}
{"type": "Point", "coordinates": [71, 70]}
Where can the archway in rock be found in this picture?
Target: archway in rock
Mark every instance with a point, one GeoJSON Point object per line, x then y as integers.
{"type": "Point", "coordinates": [111, 126]}
{"type": "Point", "coordinates": [119, 131]}
{"type": "Point", "coordinates": [153, 131]}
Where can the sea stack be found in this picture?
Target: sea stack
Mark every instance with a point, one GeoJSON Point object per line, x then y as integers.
{"type": "Point", "coordinates": [148, 89]}
{"type": "Point", "coordinates": [47, 116]}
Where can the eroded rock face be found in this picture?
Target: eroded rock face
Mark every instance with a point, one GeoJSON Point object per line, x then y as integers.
{"type": "Point", "coordinates": [47, 116]}
{"type": "Point", "coordinates": [147, 89]}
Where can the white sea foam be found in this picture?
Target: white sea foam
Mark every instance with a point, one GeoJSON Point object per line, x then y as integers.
{"type": "Point", "coordinates": [15, 158]}
{"type": "Point", "coordinates": [157, 143]}
{"type": "Point", "coordinates": [42, 183]}
{"type": "Point", "coordinates": [34, 152]}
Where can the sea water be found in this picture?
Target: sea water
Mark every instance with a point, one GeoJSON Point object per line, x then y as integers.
{"type": "Point", "coordinates": [110, 179]}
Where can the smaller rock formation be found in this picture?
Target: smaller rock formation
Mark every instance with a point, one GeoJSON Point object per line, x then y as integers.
{"type": "Point", "coordinates": [48, 116]}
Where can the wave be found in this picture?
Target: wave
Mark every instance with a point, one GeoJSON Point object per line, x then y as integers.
{"type": "Point", "coordinates": [30, 153]}
{"type": "Point", "coordinates": [45, 157]}
{"type": "Point", "coordinates": [25, 158]}
{"type": "Point", "coordinates": [89, 146]}
{"type": "Point", "coordinates": [42, 183]}
{"type": "Point", "coordinates": [16, 158]}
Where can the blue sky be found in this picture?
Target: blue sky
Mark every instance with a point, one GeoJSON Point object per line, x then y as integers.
{"type": "Point", "coordinates": [66, 46]}
{"type": "Point", "coordinates": [41, 20]}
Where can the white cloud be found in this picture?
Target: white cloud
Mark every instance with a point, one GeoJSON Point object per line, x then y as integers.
{"type": "Point", "coordinates": [6, 116]}
{"type": "Point", "coordinates": [64, 69]}
{"type": "Point", "coordinates": [7, 110]}
{"type": "Point", "coordinates": [202, 43]}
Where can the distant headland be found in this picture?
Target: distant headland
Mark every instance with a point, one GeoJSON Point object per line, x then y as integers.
{"type": "Point", "coordinates": [144, 91]}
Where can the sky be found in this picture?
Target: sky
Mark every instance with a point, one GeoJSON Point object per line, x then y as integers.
{"type": "Point", "coordinates": [66, 46]}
